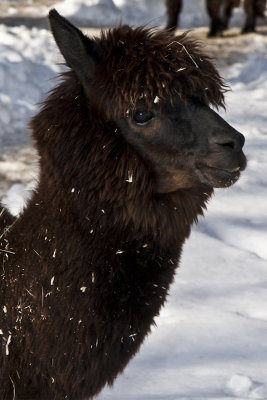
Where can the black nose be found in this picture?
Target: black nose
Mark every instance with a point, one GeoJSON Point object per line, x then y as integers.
{"type": "Point", "coordinates": [233, 140]}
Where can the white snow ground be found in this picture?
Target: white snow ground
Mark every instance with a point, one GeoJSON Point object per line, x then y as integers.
{"type": "Point", "coordinates": [211, 338]}
{"type": "Point", "coordinates": [27, 61]}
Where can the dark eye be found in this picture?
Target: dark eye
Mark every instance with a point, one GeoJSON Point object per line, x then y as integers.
{"type": "Point", "coordinates": [143, 117]}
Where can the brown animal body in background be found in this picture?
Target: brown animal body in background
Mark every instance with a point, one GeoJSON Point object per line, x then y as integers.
{"type": "Point", "coordinates": [220, 12]}
{"type": "Point", "coordinates": [130, 152]}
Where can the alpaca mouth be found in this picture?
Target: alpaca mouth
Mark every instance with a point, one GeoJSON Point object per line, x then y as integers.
{"type": "Point", "coordinates": [218, 177]}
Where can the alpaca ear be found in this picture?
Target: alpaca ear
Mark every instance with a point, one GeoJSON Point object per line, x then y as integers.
{"type": "Point", "coordinates": [80, 52]}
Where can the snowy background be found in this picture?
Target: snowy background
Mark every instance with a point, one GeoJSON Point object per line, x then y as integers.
{"type": "Point", "coordinates": [211, 338]}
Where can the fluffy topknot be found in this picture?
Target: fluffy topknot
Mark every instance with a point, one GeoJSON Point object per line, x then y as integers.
{"type": "Point", "coordinates": [148, 64]}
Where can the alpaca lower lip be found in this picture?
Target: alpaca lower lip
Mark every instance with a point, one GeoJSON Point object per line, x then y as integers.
{"type": "Point", "coordinates": [223, 170]}
{"type": "Point", "coordinates": [219, 177]}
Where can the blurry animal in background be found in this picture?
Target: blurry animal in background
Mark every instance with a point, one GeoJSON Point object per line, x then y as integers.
{"type": "Point", "coordinates": [253, 10]}
{"type": "Point", "coordinates": [130, 152]}
{"type": "Point", "coordinates": [220, 12]}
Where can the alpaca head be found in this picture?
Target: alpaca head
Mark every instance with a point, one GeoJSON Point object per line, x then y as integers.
{"type": "Point", "coordinates": [157, 89]}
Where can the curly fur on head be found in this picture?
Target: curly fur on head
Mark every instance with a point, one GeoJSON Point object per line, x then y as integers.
{"type": "Point", "coordinates": [158, 64]}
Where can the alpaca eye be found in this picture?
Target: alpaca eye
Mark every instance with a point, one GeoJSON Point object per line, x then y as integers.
{"type": "Point", "coordinates": [143, 117]}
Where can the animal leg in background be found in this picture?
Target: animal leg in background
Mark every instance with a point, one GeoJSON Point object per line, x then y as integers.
{"type": "Point", "coordinates": [228, 10]}
{"type": "Point", "coordinates": [216, 23]}
{"type": "Point", "coordinates": [253, 9]}
{"type": "Point", "coordinates": [173, 10]}
{"type": "Point", "coordinates": [220, 13]}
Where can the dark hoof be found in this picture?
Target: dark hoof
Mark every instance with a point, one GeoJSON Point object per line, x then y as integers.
{"type": "Point", "coordinates": [248, 29]}
{"type": "Point", "coordinates": [218, 34]}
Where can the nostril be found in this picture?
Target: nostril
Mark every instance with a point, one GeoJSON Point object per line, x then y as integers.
{"type": "Point", "coordinates": [232, 142]}
{"type": "Point", "coordinates": [229, 144]}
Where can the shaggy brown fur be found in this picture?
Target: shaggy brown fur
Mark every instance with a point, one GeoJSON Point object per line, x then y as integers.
{"type": "Point", "coordinates": [181, 67]}
{"type": "Point", "coordinates": [88, 265]}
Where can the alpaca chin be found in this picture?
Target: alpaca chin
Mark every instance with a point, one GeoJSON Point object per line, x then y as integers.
{"type": "Point", "coordinates": [168, 182]}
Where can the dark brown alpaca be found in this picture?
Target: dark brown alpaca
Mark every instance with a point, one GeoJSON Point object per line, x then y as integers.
{"type": "Point", "coordinates": [129, 155]}
{"type": "Point", "coordinates": [220, 12]}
